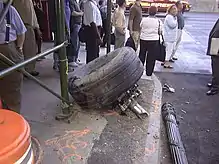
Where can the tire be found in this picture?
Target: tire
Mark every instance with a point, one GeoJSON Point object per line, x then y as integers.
{"type": "Point", "coordinates": [100, 82]}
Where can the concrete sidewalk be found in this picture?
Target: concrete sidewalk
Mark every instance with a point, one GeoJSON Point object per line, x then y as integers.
{"type": "Point", "coordinates": [93, 137]}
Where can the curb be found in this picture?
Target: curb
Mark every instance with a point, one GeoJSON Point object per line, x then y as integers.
{"type": "Point", "coordinates": [152, 145]}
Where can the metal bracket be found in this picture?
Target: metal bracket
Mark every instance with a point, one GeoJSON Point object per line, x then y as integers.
{"type": "Point", "coordinates": [127, 101]}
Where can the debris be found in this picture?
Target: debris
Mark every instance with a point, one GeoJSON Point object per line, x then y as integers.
{"type": "Point", "coordinates": [181, 117]}
{"type": "Point", "coordinates": [183, 111]}
{"type": "Point", "coordinates": [167, 88]}
{"type": "Point", "coordinates": [208, 130]}
{"type": "Point", "coordinates": [156, 137]}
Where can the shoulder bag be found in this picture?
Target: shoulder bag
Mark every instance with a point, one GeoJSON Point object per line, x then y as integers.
{"type": "Point", "coordinates": [161, 54]}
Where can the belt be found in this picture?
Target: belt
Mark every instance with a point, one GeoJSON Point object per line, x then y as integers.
{"type": "Point", "coordinates": [11, 42]}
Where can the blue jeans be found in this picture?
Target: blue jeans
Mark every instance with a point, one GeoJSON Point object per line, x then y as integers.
{"type": "Point", "coordinates": [75, 43]}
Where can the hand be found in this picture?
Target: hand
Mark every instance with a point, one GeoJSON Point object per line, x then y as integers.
{"type": "Point", "coordinates": [38, 33]}
{"type": "Point", "coordinates": [20, 50]}
{"type": "Point", "coordinates": [99, 41]}
{"type": "Point", "coordinates": [130, 32]}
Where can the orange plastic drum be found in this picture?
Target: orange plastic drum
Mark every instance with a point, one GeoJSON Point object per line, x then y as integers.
{"type": "Point", "coordinates": [15, 140]}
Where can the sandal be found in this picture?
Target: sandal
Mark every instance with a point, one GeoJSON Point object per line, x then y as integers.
{"type": "Point", "coordinates": [168, 66]}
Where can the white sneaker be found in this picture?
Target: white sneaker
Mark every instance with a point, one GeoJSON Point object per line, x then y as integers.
{"type": "Point", "coordinates": [73, 64]}
{"type": "Point", "coordinates": [79, 62]}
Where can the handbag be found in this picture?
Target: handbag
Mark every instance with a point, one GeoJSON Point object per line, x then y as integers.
{"type": "Point", "coordinates": [161, 54]}
{"type": "Point", "coordinates": [130, 43]}
{"type": "Point", "coordinates": [82, 34]}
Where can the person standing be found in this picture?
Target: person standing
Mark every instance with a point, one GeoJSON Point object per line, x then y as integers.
{"type": "Point", "coordinates": [181, 24]}
{"type": "Point", "coordinates": [170, 34]}
{"type": "Point", "coordinates": [26, 10]}
{"type": "Point", "coordinates": [135, 17]}
{"type": "Point", "coordinates": [214, 37]}
{"type": "Point", "coordinates": [103, 11]}
{"type": "Point", "coordinates": [151, 27]}
{"type": "Point", "coordinates": [12, 36]}
{"type": "Point", "coordinates": [93, 22]}
{"type": "Point", "coordinates": [120, 24]}
{"type": "Point", "coordinates": [75, 25]}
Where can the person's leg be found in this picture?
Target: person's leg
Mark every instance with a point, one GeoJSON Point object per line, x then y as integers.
{"type": "Point", "coordinates": [179, 38]}
{"type": "Point", "coordinates": [55, 56]}
{"type": "Point", "coordinates": [119, 40]}
{"type": "Point", "coordinates": [143, 50]}
{"type": "Point", "coordinates": [77, 42]}
{"type": "Point", "coordinates": [30, 50]}
{"type": "Point", "coordinates": [151, 57]}
{"type": "Point", "coordinates": [10, 85]}
{"type": "Point", "coordinates": [169, 52]}
{"type": "Point", "coordinates": [215, 71]}
{"type": "Point", "coordinates": [135, 37]}
{"type": "Point", "coordinates": [104, 33]}
{"type": "Point", "coordinates": [215, 76]}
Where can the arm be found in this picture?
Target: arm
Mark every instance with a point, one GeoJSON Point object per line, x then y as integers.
{"type": "Point", "coordinates": [131, 18]}
{"type": "Point", "coordinates": [75, 13]}
{"type": "Point", "coordinates": [171, 21]}
{"type": "Point", "coordinates": [20, 28]}
{"type": "Point", "coordinates": [20, 40]}
{"type": "Point", "coordinates": [118, 23]}
{"type": "Point", "coordinates": [72, 6]}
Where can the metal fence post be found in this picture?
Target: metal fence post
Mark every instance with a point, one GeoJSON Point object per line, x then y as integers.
{"type": "Point", "coordinates": [63, 62]}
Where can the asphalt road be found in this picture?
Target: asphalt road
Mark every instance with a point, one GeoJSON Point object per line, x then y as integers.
{"type": "Point", "coordinates": [198, 116]}
{"type": "Point", "coordinates": [197, 113]}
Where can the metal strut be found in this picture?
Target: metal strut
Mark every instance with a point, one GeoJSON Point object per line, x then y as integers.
{"type": "Point", "coordinates": [127, 101]}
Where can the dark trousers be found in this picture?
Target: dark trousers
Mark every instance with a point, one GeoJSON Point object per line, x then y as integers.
{"type": "Point", "coordinates": [92, 45]}
{"type": "Point", "coordinates": [149, 48]}
{"type": "Point", "coordinates": [104, 32]}
{"type": "Point", "coordinates": [215, 71]}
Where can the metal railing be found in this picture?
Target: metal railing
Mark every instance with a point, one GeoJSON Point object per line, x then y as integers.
{"type": "Point", "coordinates": [60, 47]}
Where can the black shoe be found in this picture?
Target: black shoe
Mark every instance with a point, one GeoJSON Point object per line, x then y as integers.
{"type": "Point", "coordinates": [209, 85]}
{"type": "Point", "coordinates": [171, 60]}
{"type": "Point", "coordinates": [212, 92]}
{"type": "Point", "coordinates": [174, 58]}
{"type": "Point", "coordinates": [34, 73]}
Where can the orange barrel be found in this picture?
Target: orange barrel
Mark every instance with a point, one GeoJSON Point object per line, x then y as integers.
{"type": "Point", "coordinates": [15, 139]}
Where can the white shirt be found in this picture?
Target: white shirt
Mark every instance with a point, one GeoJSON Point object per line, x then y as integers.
{"type": "Point", "coordinates": [149, 28]}
{"type": "Point", "coordinates": [92, 13]}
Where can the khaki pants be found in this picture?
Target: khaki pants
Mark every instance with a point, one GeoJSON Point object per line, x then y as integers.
{"type": "Point", "coordinates": [136, 37]}
{"type": "Point", "coordinates": [119, 40]}
{"type": "Point", "coordinates": [30, 48]}
{"type": "Point", "coordinates": [10, 85]}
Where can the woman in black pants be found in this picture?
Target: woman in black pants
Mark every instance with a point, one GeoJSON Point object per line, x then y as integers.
{"type": "Point", "coordinates": [151, 26]}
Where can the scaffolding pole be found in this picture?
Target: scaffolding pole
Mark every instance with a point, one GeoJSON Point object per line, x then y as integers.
{"type": "Point", "coordinates": [63, 62]}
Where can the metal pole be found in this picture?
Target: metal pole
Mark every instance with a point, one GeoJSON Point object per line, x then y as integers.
{"type": "Point", "coordinates": [22, 64]}
{"type": "Point", "coordinates": [109, 25]}
{"type": "Point", "coordinates": [4, 12]}
{"type": "Point", "coordinates": [60, 37]}
{"type": "Point", "coordinates": [11, 63]}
